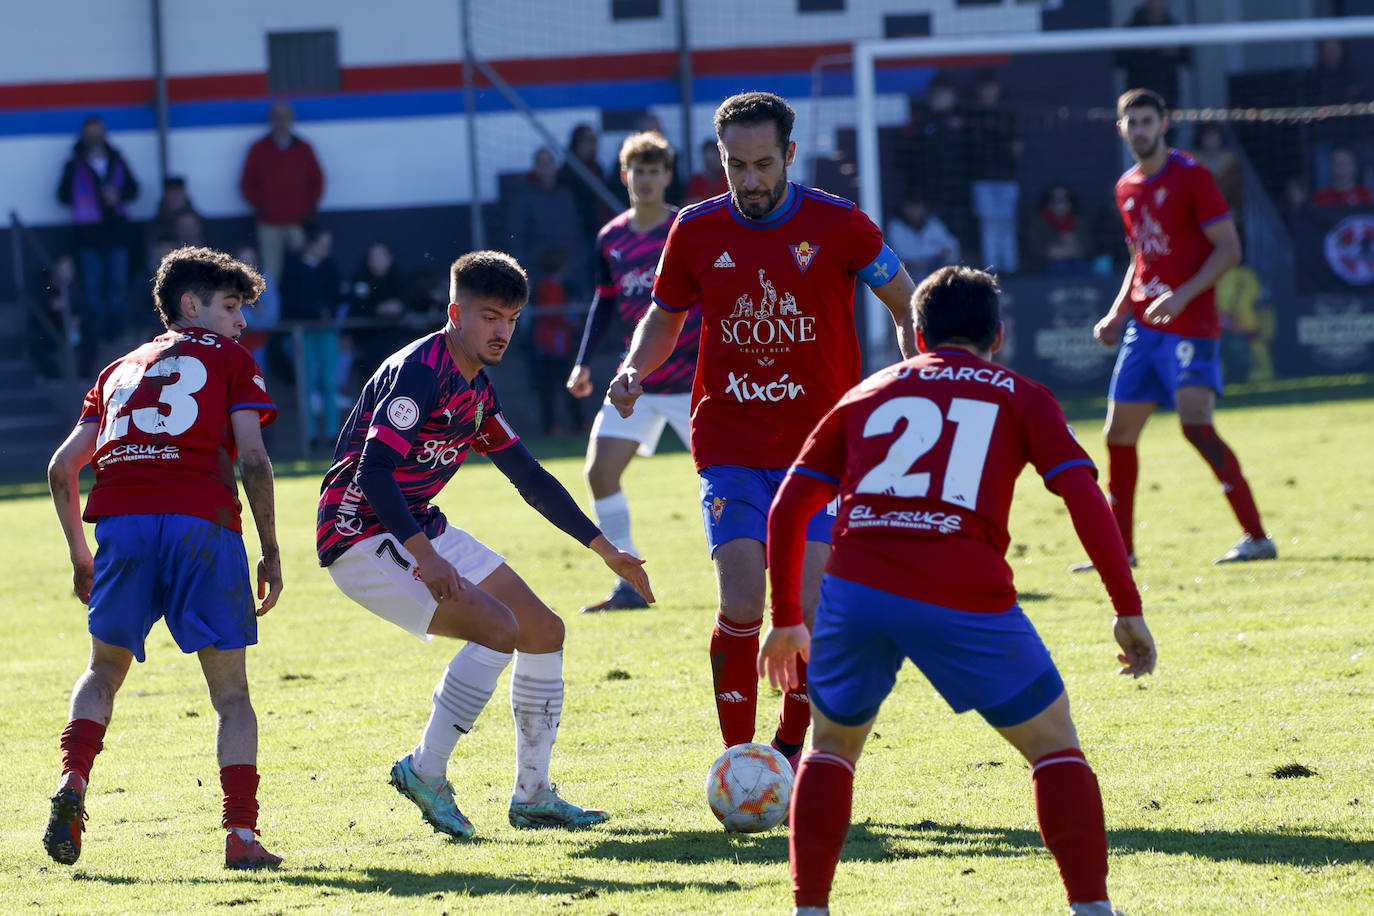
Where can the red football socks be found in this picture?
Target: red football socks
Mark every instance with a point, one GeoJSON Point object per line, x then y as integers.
{"type": "Point", "coordinates": [822, 797]}
{"type": "Point", "coordinates": [796, 711]}
{"type": "Point", "coordinates": [81, 741]}
{"type": "Point", "coordinates": [734, 656]}
{"type": "Point", "coordinates": [1224, 464]}
{"type": "Point", "coordinates": [240, 784]}
{"type": "Point", "coordinates": [1123, 467]}
{"type": "Point", "coordinates": [1068, 804]}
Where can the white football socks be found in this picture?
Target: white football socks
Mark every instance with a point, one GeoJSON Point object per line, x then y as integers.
{"type": "Point", "coordinates": [463, 690]}
{"type": "Point", "coordinates": [536, 702]}
{"type": "Point", "coordinates": [613, 518]}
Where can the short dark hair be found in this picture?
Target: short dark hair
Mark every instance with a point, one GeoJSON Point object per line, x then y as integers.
{"type": "Point", "coordinates": [1140, 98]}
{"type": "Point", "coordinates": [201, 272]}
{"type": "Point", "coordinates": [489, 275]}
{"type": "Point", "coordinates": [757, 108]}
{"type": "Point", "coordinates": [649, 147]}
{"type": "Point", "coordinates": [958, 304]}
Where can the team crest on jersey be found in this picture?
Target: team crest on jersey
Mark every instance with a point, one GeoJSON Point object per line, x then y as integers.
{"type": "Point", "coordinates": [1160, 194]}
{"type": "Point", "coordinates": [803, 254]}
{"type": "Point", "coordinates": [260, 382]}
{"type": "Point", "coordinates": [717, 507]}
{"type": "Point", "coordinates": [478, 417]}
{"type": "Point", "coordinates": [1129, 205]}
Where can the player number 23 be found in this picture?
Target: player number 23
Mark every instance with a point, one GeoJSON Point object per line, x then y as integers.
{"type": "Point", "coordinates": [189, 376]}
{"type": "Point", "coordinates": [973, 423]}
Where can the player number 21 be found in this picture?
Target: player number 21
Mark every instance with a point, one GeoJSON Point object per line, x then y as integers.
{"type": "Point", "coordinates": [176, 397]}
{"type": "Point", "coordinates": [973, 423]}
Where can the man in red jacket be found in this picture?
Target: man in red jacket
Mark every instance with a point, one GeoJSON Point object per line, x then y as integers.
{"type": "Point", "coordinates": [282, 180]}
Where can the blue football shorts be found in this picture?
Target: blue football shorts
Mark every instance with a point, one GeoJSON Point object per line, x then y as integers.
{"type": "Point", "coordinates": [1153, 364]}
{"type": "Point", "coordinates": [994, 663]}
{"type": "Point", "coordinates": [185, 569]}
{"type": "Point", "coordinates": [735, 502]}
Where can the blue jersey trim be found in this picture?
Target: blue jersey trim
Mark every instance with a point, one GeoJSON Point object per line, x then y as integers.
{"type": "Point", "coordinates": [785, 211]}
{"type": "Point", "coordinates": [1215, 219]}
{"type": "Point", "coordinates": [88, 420]}
{"type": "Point", "coordinates": [882, 269]}
{"type": "Point", "coordinates": [826, 197]}
{"type": "Point", "coordinates": [809, 472]}
{"type": "Point", "coordinates": [253, 405]}
{"type": "Point", "coordinates": [1075, 463]}
{"type": "Point", "coordinates": [710, 205]}
{"type": "Point", "coordinates": [668, 308]}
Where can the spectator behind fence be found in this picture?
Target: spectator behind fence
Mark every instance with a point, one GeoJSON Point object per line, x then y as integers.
{"type": "Point", "coordinates": [554, 342]}
{"type": "Point", "coordinates": [710, 181]}
{"type": "Point", "coordinates": [310, 293]}
{"type": "Point", "coordinates": [98, 185]}
{"type": "Point", "coordinates": [283, 183]}
{"type": "Point", "coordinates": [61, 294]}
{"type": "Point", "coordinates": [1345, 189]}
{"type": "Point", "coordinates": [377, 294]}
{"type": "Point", "coordinates": [934, 148]}
{"type": "Point", "coordinates": [1057, 242]}
{"type": "Point", "coordinates": [1333, 81]}
{"type": "Point", "coordinates": [592, 211]}
{"type": "Point", "coordinates": [258, 338]}
{"type": "Point", "coordinates": [995, 148]}
{"type": "Point", "coordinates": [543, 214]}
{"type": "Point", "coordinates": [175, 201]}
{"type": "Point", "coordinates": [1155, 68]}
{"type": "Point", "coordinates": [1210, 148]}
{"type": "Point", "coordinates": [920, 238]}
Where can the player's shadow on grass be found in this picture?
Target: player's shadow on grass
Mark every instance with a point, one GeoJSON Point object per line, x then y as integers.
{"type": "Point", "coordinates": [877, 841]}
{"type": "Point", "coordinates": [399, 882]}
{"type": "Point", "coordinates": [693, 846]}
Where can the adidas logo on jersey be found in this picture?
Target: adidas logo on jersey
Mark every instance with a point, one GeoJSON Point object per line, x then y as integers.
{"type": "Point", "coordinates": [725, 260]}
{"type": "Point", "coordinates": [732, 696]}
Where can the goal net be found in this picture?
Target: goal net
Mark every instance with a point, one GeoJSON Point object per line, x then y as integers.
{"type": "Point", "coordinates": [1001, 152]}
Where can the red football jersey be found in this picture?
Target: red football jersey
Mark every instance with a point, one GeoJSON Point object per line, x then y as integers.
{"type": "Point", "coordinates": [778, 345]}
{"type": "Point", "coordinates": [1164, 215]}
{"type": "Point", "coordinates": [926, 455]}
{"type": "Point", "coordinates": [165, 443]}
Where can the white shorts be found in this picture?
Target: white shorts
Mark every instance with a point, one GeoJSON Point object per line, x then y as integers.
{"type": "Point", "coordinates": [645, 425]}
{"type": "Point", "coordinates": [379, 574]}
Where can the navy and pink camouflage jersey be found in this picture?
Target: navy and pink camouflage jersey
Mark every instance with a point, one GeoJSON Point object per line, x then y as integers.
{"type": "Point", "coordinates": [418, 403]}
{"type": "Point", "coordinates": [626, 263]}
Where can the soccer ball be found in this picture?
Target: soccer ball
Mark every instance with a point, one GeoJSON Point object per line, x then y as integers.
{"type": "Point", "coordinates": [748, 788]}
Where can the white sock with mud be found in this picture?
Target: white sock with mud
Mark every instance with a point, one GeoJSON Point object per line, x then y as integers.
{"type": "Point", "coordinates": [613, 518]}
{"type": "Point", "coordinates": [463, 690]}
{"type": "Point", "coordinates": [536, 702]}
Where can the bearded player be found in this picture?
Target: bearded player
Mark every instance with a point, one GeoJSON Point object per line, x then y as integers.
{"type": "Point", "coordinates": [391, 550]}
{"type": "Point", "coordinates": [925, 456]}
{"type": "Point", "coordinates": [162, 427]}
{"type": "Point", "coordinates": [774, 265]}
{"type": "Point", "coordinates": [627, 250]}
{"type": "Point", "coordinates": [1182, 239]}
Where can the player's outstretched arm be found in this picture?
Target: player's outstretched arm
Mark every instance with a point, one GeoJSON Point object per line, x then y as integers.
{"type": "Point", "coordinates": [655, 337]}
{"type": "Point", "coordinates": [1097, 530]}
{"type": "Point", "coordinates": [896, 295]}
{"type": "Point", "coordinates": [256, 470]}
{"type": "Point", "coordinates": [552, 500]}
{"type": "Point", "coordinates": [64, 471]}
{"type": "Point", "coordinates": [1137, 646]}
{"type": "Point", "coordinates": [625, 565]}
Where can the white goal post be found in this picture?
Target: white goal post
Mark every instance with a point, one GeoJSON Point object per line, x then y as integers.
{"type": "Point", "coordinates": [868, 52]}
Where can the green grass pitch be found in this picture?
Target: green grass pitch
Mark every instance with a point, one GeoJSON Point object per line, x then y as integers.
{"type": "Point", "coordinates": [1264, 670]}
